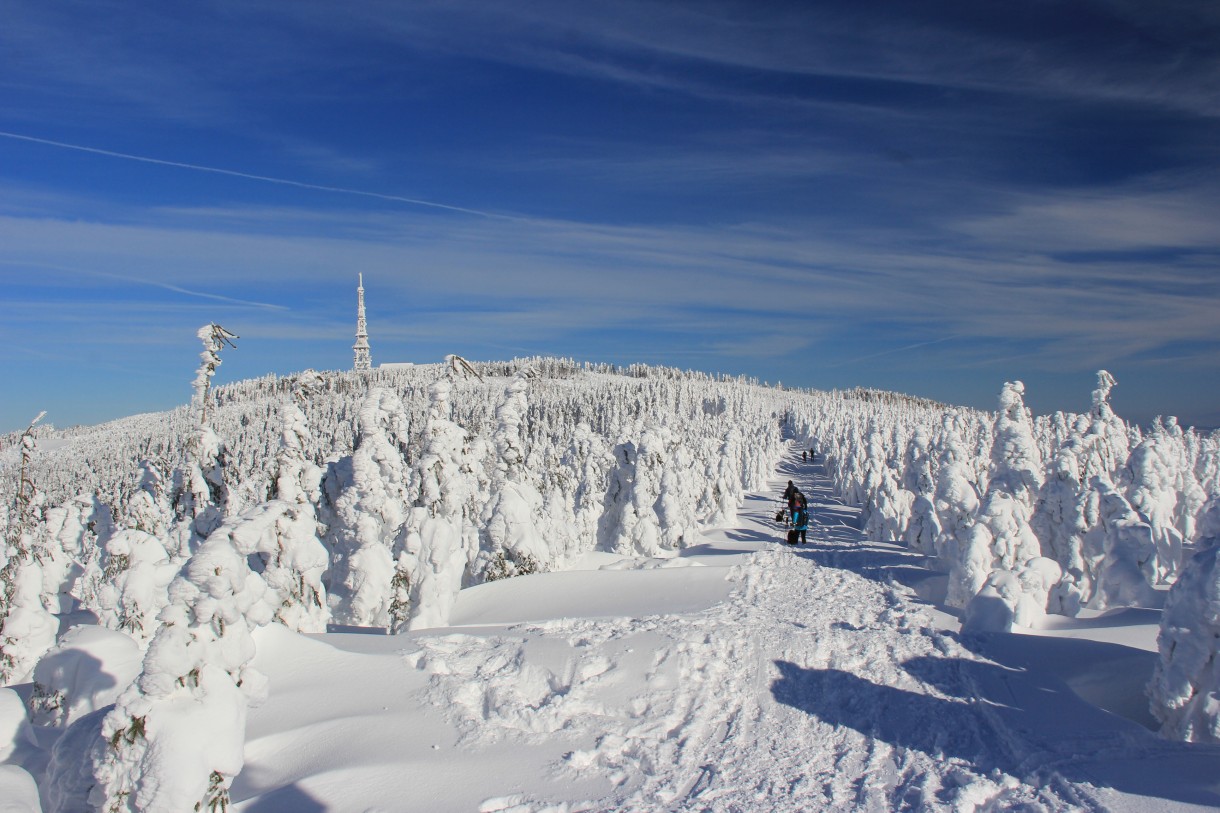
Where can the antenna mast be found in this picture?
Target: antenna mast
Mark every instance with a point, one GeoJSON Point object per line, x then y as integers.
{"type": "Point", "coordinates": [363, 361]}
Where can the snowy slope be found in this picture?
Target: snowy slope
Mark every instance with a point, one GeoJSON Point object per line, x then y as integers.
{"type": "Point", "coordinates": [741, 675]}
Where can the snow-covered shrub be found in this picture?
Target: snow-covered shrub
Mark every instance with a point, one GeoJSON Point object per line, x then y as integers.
{"type": "Point", "coordinates": [127, 586]}
{"type": "Point", "coordinates": [14, 725]}
{"type": "Point", "coordinates": [27, 630]}
{"type": "Point", "coordinates": [175, 736]}
{"type": "Point", "coordinates": [84, 672]}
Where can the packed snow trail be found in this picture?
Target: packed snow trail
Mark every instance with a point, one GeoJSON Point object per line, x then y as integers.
{"type": "Point", "coordinates": [765, 677]}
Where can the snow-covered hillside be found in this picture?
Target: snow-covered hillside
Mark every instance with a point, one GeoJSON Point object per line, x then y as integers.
{"type": "Point", "coordinates": [592, 607]}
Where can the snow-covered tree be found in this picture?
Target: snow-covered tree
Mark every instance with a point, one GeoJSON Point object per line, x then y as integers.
{"type": "Point", "coordinates": [1059, 523]}
{"type": "Point", "coordinates": [677, 505]}
{"type": "Point", "coordinates": [368, 499]}
{"type": "Point", "coordinates": [441, 539]}
{"type": "Point", "coordinates": [511, 542]}
{"type": "Point", "coordinates": [1185, 688]}
{"type": "Point", "coordinates": [1127, 570]}
{"type": "Point", "coordinates": [919, 480]}
{"type": "Point", "coordinates": [127, 585]}
{"type": "Point", "coordinates": [176, 735]}
{"type": "Point", "coordinates": [629, 525]}
{"type": "Point", "coordinates": [1150, 479]}
{"type": "Point", "coordinates": [74, 532]}
{"type": "Point", "coordinates": [200, 493]}
{"type": "Point", "coordinates": [295, 559]}
{"type": "Point", "coordinates": [1002, 538]}
{"type": "Point", "coordinates": [957, 502]}
{"type": "Point", "coordinates": [27, 628]}
{"type": "Point", "coordinates": [1107, 443]}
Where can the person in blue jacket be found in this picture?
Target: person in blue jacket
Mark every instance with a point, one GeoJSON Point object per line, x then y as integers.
{"type": "Point", "coordinates": [800, 520]}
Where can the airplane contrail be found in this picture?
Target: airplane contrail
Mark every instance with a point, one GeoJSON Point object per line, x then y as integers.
{"type": "Point", "coordinates": [252, 177]}
{"type": "Point", "coordinates": [153, 283]}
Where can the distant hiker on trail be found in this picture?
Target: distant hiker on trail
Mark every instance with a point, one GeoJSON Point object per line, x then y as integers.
{"type": "Point", "coordinates": [804, 455]}
{"type": "Point", "coordinates": [788, 492]}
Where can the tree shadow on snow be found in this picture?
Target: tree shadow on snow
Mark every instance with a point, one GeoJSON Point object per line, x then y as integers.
{"type": "Point", "coordinates": [288, 799]}
{"type": "Point", "coordinates": [1029, 725]}
{"type": "Point", "coordinates": [878, 563]}
{"type": "Point", "coordinates": [746, 535]}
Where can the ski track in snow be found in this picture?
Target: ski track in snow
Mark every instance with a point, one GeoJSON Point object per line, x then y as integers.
{"type": "Point", "coordinates": [813, 687]}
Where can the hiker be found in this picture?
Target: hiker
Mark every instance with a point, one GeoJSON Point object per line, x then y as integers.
{"type": "Point", "coordinates": [804, 455]}
{"type": "Point", "coordinates": [788, 492]}
{"type": "Point", "coordinates": [800, 520]}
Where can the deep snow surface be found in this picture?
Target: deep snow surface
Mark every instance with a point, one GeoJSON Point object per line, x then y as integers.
{"type": "Point", "coordinates": [743, 675]}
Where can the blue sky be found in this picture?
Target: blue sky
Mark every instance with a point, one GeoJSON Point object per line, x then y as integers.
{"type": "Point", "coordinates": [927, 197]}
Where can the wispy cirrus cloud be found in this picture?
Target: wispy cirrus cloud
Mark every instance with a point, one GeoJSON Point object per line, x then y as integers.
{"type": "Point", "coordinates": [549, 278]}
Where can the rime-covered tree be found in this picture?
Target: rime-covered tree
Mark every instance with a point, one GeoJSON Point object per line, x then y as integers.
{"type": "Point", "coordinates": [1106, 444]}
{"type": "Point", "coordinates": [1059, 523]}
{"type": "Point", "coordinates": [919, 480]}
{"type": "Point", "coordinates": [27, 629]}
{"type": "Point", "coordinates": [200, 494]}
{"type": "Point", "coordinates": [367, 497]}
{"type": "Point", "coordinates": [295, 559]}
{"type": "Point", "coordinates": [73, 535]}
{"type": "Point", "coordinates": [511, 542]}
{"type": "Point", "coordinates": [957, 502]}
{"type": "Point", "coordinates": [1127, 567]}
{"type": "Point", "coordinates": [1151, 483]}
{"type": "Point", "coordinates": [441, 539]}
{"type": "Point", "coordinates": [630, 525]}
{"type": "Point", "coordinates": [175, 737]}
{"type": "Point", "coordinates": [1184, 692]}
{"type": "Point", "coordinates": [1002, 538]}
{"type": "Point", "coordinates": [127, 585]}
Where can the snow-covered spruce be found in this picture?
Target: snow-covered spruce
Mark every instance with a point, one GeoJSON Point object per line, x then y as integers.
{"type": "Point", "coordinates": [175, 736]}
{"type": "Point", "coordinates": [440, 540]}
{"type": "Point", "coordinates": [511, 540]}
{"type": "Point", "coordinates": [366, 506]}
{"type": "Point", "coordinates": [294, 559]}
{"type": "Point", "coordinates": [1184, 692]}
